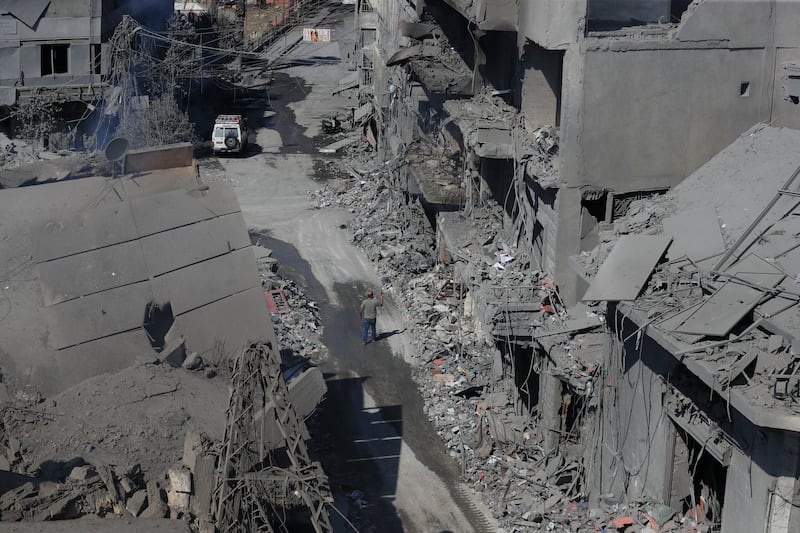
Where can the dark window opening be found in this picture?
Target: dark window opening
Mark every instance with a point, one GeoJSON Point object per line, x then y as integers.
{"type": "Point", "coordinates": [498, 175]}
{"type": "Point", "coordinates": [97, 59]}
{"type": "Point", "coordinates": [368, 37]}
{"type": "Point", "coordinates": [55, 59]}
{"type": "Point", "coordinates": [593, 213]}
{"type": "Point", "coordinates": [792, 88]}
{"type": "Point", "coordinates": [364, 6]}
{"type": "Point", "coordinates": [612, 15]}
{"type": "Point", "coordinates": [573, 407]}
{"type": "Point", "coordinates": [526, 376]}
{"type": "Point", "coordinates": [677, 9]}
{"type": "Point", "coordinates": [703, 478]}
{"type": "Point", "coordinates": [744, 88]}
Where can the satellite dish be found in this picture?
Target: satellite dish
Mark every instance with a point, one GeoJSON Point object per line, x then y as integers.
{"type": "Point", "coordinates": [116, 149]}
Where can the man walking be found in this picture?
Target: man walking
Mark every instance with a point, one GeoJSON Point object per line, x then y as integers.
{"type": "Point", "coordinates": [369, 314]}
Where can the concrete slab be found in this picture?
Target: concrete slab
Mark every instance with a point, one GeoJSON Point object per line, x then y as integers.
{"type": "Point", "coordinates": [627, 269]}
{"type": "Point", "coordinates": [669, 324]}
{"type": "Point", "coordinates": [98, 315]}
{"type": "Point", "coordinates": [695, 234]}
{"type": "Point", "coordinates": [180, 247]}
{"type": "Point", "coordinates": [90, 229]}
{"type": "Point", "coordinates": [735, 299]}
{"type": "Point", "coordinates": [338, 145]}
{"type": "Point", "coordinates": [90, 272]}
{"type": "Point", "coordinates": [224, 326]}
{"type": "Point", "coordinates": [208, 281]}
{"type": "Point", "coordinates": [176, 208]}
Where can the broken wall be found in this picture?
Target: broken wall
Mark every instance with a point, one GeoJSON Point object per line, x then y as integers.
{"type": "Point", "coordinates": [540, 85]}
{"type": "Point", "coordinates": [637, 445]}
{"type": "Point", "coordinates": [634, 456]}
{"type": "Point", "coordinates": [680, 106]}
{"type": "Point", "coordinates": [785, 109]}
{"type": "Point", "coordinates": [553, 24]}
{"type": "Point", "coordinates": [24, 32]}
{"type": "Point", "coordinates": [629, 11]}
{"type": "Point", "coordinates": [741, 24]}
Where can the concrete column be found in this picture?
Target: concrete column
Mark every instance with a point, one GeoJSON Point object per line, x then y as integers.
{"type": "Point", "coordinates": [549, 410]}
{"type": "Point", "coordinates": [567, 242]}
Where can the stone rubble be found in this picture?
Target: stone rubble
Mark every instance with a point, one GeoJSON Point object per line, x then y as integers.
{"type": "Point", "coordinates": [473, 409]}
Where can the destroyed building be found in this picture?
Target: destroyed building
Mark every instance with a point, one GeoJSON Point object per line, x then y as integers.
{"type": "Point", "coordinates": [531, 131]}
{"type": "Point", "coordinates": [699, 390]}
{"type": "Point", "coordinates": [61, 46]}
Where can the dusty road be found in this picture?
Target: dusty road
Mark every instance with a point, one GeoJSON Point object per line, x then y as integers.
{"type": "Point", "coordinates": [373, 434]}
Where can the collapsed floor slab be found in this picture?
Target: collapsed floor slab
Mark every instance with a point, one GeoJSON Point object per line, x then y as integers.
{"type": "Point", "coordinates": [85, 259]}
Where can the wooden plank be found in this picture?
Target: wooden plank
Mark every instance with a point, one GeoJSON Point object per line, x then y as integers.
{"type": "Point", "coordinates": [734, 300]}
{"type": "Point", "coordinates": [625, 272]}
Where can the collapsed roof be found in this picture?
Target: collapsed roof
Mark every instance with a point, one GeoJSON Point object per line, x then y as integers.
{"type": "Point", "coordinates": [98, 272]}
{"type": "Point", "coordinates": [724, 302]}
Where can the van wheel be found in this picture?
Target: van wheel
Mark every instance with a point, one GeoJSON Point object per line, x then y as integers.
{"type": "Point", "coordinates": [231, 143]}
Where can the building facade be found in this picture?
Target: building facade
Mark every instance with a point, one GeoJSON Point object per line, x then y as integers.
{"type": "Point", "coordinates": [556, 117]}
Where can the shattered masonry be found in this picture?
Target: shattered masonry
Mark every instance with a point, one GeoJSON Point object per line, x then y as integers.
{"type": "Point", "coordinates": [598, 353]}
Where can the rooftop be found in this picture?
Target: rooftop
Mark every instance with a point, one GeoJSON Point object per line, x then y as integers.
{"type": "Point", "coordinates": [712, 267]}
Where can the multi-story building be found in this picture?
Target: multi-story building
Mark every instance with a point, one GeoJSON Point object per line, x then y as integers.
{"type": "Point", "coordinates": [51, 45]}
{"type": "Point", "coordinates": [60, 46]}
{"type": "Point", "coordinates": [558, 115]}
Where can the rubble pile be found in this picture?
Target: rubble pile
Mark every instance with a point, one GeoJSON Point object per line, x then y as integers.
{"type": "Point", "coordinates": [476, 410]}
{"type": "Point", "coordinates": [297, 324]}
{"type": "Point", "coordinates": [61, 490]}
{"type": "Point", "coordinates": [540, 154]}
{"type": "Point", "coordinates": [390, 229]}
{"type": "Point", "coordinates": [14, 153]}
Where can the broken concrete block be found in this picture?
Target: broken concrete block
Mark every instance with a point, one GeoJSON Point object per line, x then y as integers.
{"type": "Point", "coordinates": [180, 480]}
{"type": "Point", "coordinates": [81, 473]}
{"type": "Point", "coordinates": [61, 509]}
{"type": "Point", "coordinates": [193, 361]}
{"type": "Point", "coordinates": [126, 485]}
{"type": "Point", "coordinates": [178, 501]}
{"type": "Point", "coordinates": [137, 503]}
{"type": "Point", "coordinates": [48, 488]}
{"type": "Point", "coordinates": [203, 486]}
{"type": "Point", "coordinates": [156, 507]}
{"type": "Point", "coordinates": [192, 446]}
{"type": "Point", "coordinates": [174, 353]}
{"type": "Point", "coordinates": [775, 343]}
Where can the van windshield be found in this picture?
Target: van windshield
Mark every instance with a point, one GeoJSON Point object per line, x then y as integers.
{"type": "Point", "coordinates": [222, 131]}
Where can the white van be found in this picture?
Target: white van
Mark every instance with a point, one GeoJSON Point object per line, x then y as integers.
{"type": "Point", "coordinates": [230, 134]}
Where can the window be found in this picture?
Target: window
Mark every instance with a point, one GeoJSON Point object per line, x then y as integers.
{"type": "Point", "coordinates": [55, 59]}
{"type": "Point", "coordinates": [97, 59]}
{"type": "Point", "coordinates": [744, 89]}
{"type": "Point", "coordinates": [364, 6]}
{"type": "Point", "coordinates": [368, 36]}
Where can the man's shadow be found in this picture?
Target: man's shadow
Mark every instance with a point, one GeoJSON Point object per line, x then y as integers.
{"type": "Point", "coordinates": [387, 334]}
